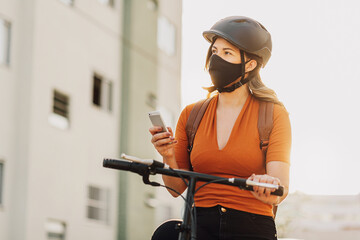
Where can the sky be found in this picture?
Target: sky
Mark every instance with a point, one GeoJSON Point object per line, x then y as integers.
{"type": "Point", "coordinates": [315, 71]}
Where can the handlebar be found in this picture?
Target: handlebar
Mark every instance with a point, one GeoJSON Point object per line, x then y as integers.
{"type": "Point", "coordinates": [143, 169]}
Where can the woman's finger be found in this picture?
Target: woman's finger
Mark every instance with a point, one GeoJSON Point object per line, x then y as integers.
{"type": "Point", "coordinates": [275, 181]}
{"type": "Point", "coordinates": [164, 141]}
{"type": "Point", "coordinates": [270, 180]}
{"type": "Point", "coordinates": [256, 179]}
{"type": "Point", "coordinates": [156, 137]}
{"type": "Point", "coordinates": [251, 178]}
{"type": "Point", "coordinates": [166, 147]}
{"type": "Point", "coordinates": [171, 131]}
{"type": "Point", "coordinates": [154, 130]}
{"type": "Point", "coordinates": [263, 179]}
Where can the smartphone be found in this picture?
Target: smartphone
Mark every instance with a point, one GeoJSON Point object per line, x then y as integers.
{"type": "Point", "coordinates": [156, 120]}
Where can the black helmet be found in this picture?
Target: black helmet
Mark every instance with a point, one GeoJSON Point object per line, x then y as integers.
{"type": "Point", "coordinates": [245, 33]}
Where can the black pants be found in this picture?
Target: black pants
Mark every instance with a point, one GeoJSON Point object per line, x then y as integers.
{"type": "Point", "coordinates": [219, 223]}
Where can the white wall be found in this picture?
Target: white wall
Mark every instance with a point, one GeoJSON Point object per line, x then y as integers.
{"type": "Point", "coordinates": [58, 47]}
{"type": "Point", "coordinates": [8, 12]}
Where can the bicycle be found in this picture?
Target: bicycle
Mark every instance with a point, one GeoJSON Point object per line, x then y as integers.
{"type": "Point", "coordinates": [187, 227]}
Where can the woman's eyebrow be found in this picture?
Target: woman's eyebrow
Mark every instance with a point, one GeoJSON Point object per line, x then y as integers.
{"type": "Point", "coordinates": [226, 48]}
{"type": "Point", "coordinates": [229, 49]}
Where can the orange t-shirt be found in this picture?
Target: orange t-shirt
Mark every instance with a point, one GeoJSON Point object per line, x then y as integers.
{"type": "Point", "coordinates": [240, 157]}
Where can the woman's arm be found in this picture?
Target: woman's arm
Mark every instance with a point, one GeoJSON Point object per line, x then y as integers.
{"type": "Point", "coordinates": [280, 170]}
{"type": "Point", "coordinates": [277, 158]}
{"type": "Point", "coordinates": [164, 143]}
{"type": "Point", "coordinates": [174, 182]}
{"type": "Point", "coordinates": [278, 174]}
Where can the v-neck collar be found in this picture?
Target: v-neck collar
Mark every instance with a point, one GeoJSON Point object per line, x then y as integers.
{"type": "Point", "coordinates": [238, 119]}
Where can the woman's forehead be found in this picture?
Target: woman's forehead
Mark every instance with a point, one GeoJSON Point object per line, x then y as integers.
{"type": "Point", "coordinates": [221, 42]}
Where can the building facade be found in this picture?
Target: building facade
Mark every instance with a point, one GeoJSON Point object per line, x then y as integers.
{"type": "Point", "coordinates": [151, 80]}
{"type": "Point", "coordinates": [76, 82]}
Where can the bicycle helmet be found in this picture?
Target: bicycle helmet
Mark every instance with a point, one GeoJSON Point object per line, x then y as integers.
{"type": "Point", "coordinates": [245, 33]}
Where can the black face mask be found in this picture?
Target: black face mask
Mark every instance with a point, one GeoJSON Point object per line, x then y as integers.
{"type": "Point", "coordinates": [223, 73]}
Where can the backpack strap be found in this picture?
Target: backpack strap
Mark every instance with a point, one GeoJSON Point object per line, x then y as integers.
{"type": "Point", "coordinates": [194, 120]}
{"type": "Point", "coordinates": [265, 125]}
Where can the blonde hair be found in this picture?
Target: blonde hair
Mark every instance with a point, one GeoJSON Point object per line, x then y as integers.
{"type": "Point", "coordinates": [255, 84]}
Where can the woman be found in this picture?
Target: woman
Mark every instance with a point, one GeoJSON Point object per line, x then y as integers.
{"type": "Point", "coordinates": [227, 139]}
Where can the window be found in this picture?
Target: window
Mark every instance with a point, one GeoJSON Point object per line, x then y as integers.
{"type": "Point", "coordinates": [5, 29]}
{"type": "Point", "coordinates": [60, 111]}
{"type": "Point", "coordinates": [1, 181]}
{"type": "Point", "coordinates": [110, 3]}
{"type": "Point", "coordinates": [97, 207]}
{"type": "Point", "coordinates": [102, 92]}
{"type": "Point", "coordinates": [55, 229]}
{"type": "Point", "coordinates": [166, 36]}
{"type": "Point", "coordinates": [61, 102]}
{"type": "Point", "coordinates": [68, 2]}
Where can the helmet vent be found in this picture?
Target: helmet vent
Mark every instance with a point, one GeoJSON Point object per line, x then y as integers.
{"type": "Point", "coordinates": [240, 20]}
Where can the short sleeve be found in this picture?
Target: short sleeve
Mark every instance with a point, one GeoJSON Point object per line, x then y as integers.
{"type": "Point", "coordinates": [280, 137]}
{"type": "Point", "coordinates": [181, 148]}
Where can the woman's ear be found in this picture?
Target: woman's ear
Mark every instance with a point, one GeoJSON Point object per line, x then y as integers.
{"type": "Point", "coordinates": [250, 65]}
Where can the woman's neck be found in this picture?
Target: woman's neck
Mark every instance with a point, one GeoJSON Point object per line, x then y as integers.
{"type": "Point", "coordinates": [234, 99]}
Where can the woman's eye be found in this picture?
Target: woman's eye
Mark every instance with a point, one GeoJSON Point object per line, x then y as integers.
{"type": "Point", "coordinates": [213, 51]}
{"type": "Point", "coordinates": [227, 53]}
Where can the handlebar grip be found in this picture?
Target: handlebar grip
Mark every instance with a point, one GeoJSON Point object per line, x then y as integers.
{"type": "Point", "coordinates": [279, 191]}
{"type": "Point", "coordinates": [138, 168]}
{"type": "Point", "coordinates": [116, 164]}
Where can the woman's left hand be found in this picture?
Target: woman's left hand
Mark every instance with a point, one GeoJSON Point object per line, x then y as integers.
{"type": "Point", "coordinates": [264, 194]}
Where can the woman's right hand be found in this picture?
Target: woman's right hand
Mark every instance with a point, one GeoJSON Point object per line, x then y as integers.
{"type": "Point", "coordinates": [163, 141]}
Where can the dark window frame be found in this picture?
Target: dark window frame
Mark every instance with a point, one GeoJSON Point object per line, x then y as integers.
{"type": "Point", "coordinates": [102, 92]}
{"type": "Point", "coordinates": [97, 207]}
{"type": "Point", "coordinates": [61, 104]}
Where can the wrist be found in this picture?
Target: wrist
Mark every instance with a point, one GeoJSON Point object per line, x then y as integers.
{"type": "Point", "coordinates": [277, 202]}
{"type": "Point", "coordinates": [171, 161]}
